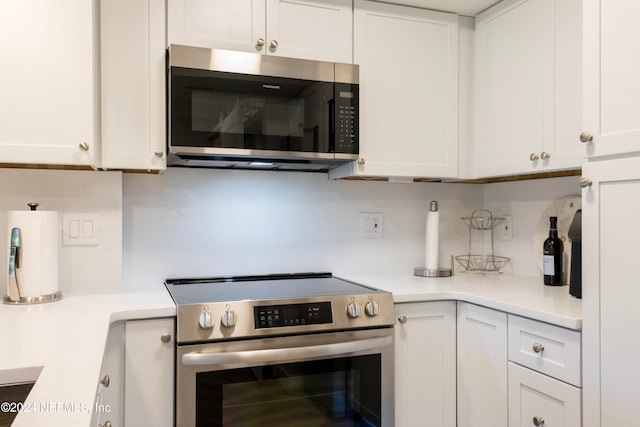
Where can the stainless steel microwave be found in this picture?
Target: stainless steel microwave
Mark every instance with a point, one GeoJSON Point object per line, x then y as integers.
{"type": "Point", "coordinates": [229, 109]}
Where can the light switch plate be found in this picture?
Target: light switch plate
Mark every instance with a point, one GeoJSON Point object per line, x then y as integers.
{"type": "Point", "coordinates": [80, 229]}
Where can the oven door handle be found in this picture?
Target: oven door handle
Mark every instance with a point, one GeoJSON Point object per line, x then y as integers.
{"type": "Point", "coordinates": [285, 354]}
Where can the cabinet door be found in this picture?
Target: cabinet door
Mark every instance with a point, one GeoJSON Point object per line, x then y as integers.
{"type": "Point", "coordinates": [426, 364]}
{"type": "Point", "coordinates": [149, 368]}
{"type": "Point", "coordinates": [528, 83]}
{"type": "Point", "coordinates": [611, 373]}
{"type": "Point", "coordinates": [47, 82]}
{"type": "Point", "coordinates": [611, 84]}
{"type": "Point", "coordinates": [133, 84]}
{"type": "Point", "coordinates": [318, 30]}
{"type": "Point", "coordinates": [533, 396]}
{"type": "Point", "coordinates": [482, 367]}
{"type": "Point", "coordinates": [109, 405]}
{"type": "Point", "coordinates": [408, 61]}
{"type": "Point", "coordinates": [222, 24]}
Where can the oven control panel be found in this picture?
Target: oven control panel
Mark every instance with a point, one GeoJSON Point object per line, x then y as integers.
{"type": "Point", "coordinates": [277, 316]}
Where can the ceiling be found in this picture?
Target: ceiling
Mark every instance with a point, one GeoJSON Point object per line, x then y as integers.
{"type": "Point", "coordinates": [462, 7]}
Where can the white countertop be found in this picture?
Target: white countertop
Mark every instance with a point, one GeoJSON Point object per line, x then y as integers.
{"type": "Point", "coordinates": [521, 295]}
{"type": "Point", "coordinates": [61, 344]}
{"type": "Point", "coordinates": [64, 342]}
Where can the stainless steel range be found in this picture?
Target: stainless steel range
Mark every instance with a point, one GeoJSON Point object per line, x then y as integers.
{"type": "Point", "coordinates": [304, 349]}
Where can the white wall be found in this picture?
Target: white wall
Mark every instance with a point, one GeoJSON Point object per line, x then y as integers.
{"type": "Point", "coordinates": [81, 269]}
{"type": "Point", "coordinates": [189, 222]}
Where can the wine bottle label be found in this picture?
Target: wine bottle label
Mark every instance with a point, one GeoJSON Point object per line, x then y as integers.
{"type": "Point", "coordinates": [547, 265]}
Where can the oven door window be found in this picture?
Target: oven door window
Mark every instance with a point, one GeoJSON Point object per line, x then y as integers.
{"type": "Point", "coordinates": [335, 392]}
{"type": "Point", "coordinates": [223, 110]}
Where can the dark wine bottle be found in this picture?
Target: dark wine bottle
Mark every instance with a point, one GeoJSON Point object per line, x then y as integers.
{"type": "Point", "coordinates": [552, 256]}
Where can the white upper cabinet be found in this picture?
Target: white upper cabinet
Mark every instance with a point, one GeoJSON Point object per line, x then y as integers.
{"type": "Point", "coordinates": [611, 83]}
{"type": "Point", "coordinates": [132, 56]}
{"type": "Point", "coordinates": [319, 30]}
{"type": "Point", "coordinates": [528, 87]}
{"type": "Point", "coordinates": [408, 61]}
{"type": "Point", "coordinates": [47, 100]}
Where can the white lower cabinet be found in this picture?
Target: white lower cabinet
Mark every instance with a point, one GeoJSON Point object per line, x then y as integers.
{"type": "Point", "coordinates": [136, 384]}
{"type": "Point", "coordinates": [544, 374]}
{"type": "Point", "coordinates": [109, 404]}
{"type": "Point", "coordinates": [149, 372]}
{"type": "Point", "coordinates": [538, 400]}
{"type": "Point", "coordinates": [482, 366]}
{"type": "Point", "coordinates": [425, 382]}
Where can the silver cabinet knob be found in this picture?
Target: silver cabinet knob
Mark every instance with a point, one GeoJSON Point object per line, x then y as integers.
{"type": "Point", "coordinates": [206, 320]}
{"type": "Point", "coordinates": [537, 348]}
{"type": "Point", "coordinates": [402, 319]}
{"type": "Point", "coordinates": [273, 44]}
{"type": "Point", "coordinates": [372, 308]}
{"type": "Point", "coordinates": [260, 42]}
{"type": "Point", "coordinates": [544, 155]}
{"type": "Point", "coordinates": [159, 153]}
{"type": "Point", "coordinates": [84, 146]}
{"type": "Point", "coordinates": [585, 182]}
{"type": "Point", "coordinates": [229, 318]}
{"type": "Point", "coordinates": [165, 338]}
{"type": "Point", "coordinates": [354, 310]}
{"type": "Point", "coordinates": [361, 161]}
{"type": "Point", "coordinates": [533, 157]}
{"type": "Point", "coordinates": [106, 424]}
{"type": "Point", "coordinates": [105, 381]}
{"type": "Point", "coordinates": [586, 137]}
{"type": "Point", "coordinates": [538, 421]}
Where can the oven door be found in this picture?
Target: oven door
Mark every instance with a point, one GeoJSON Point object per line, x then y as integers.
{"type": "Point", "coordinates": [330, 379]}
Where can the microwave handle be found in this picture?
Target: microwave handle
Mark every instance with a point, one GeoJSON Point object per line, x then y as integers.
{"type": "Point", "coordinates": [284, 354]}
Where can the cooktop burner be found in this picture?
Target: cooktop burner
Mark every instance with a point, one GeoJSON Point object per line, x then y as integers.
{"type": "Point", "coordinates": [233, 307]}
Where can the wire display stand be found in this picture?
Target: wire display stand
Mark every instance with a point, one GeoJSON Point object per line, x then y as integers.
{"type": "Point", "coordinates": [482, 220]}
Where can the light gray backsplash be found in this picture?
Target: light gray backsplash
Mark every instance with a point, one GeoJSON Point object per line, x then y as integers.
{"type": "Point", "coordinates": [81, 268]}
{"type": "Point", "coordinates": [526, 201]}
{"type": "Point", "coordinates": [189, 222]}
{"type": "Point", "coordinates": [210, 222]}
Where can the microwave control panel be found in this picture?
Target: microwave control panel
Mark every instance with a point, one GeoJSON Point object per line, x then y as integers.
{"type": "Point", "coordinates": [346, 128]}
{"type": "Point", "coordinates": [277, 316]}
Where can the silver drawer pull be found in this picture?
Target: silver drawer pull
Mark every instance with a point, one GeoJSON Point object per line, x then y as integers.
{"type": "Point", "coordinates": [538, 348]}
{"type": "Point", "coordinates": [538, 421]}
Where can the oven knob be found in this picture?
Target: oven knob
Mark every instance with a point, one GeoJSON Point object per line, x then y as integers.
{"type": "Point", "coordinates": [206, 320]}
{"type": "Point", "coordinates": [353, 310]}
{"type": "Point", "coordinates": [372, 308]}
{"type": "Point", "coordinates": [229, 318]}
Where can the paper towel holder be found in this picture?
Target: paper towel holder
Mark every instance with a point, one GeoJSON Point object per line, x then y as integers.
{"type": "Point", "coordinates": [439, 272]}
{"type": "Point", "coordinates": [16, 296]}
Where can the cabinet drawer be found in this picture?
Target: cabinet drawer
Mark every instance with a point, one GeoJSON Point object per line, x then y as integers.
{"type": "Point", "coordinates": [536, 399]}
{"type": "Point", "coordinates": [549, 349]}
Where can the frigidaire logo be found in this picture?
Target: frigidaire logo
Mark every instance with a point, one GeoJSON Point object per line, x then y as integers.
{"type": "Point", "coordinates": [271, 86]}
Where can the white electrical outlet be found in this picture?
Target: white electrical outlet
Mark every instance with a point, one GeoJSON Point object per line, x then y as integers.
{"type": "Point", "coordinates": [371, 225]}
{"type": "Point", "coordinates": [506, 228]}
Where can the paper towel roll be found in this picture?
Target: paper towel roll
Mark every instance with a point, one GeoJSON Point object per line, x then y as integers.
{"type": "Point", "coordinates": [432, 237]}
{"type": "Point", "coordinates": [38, 272]}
